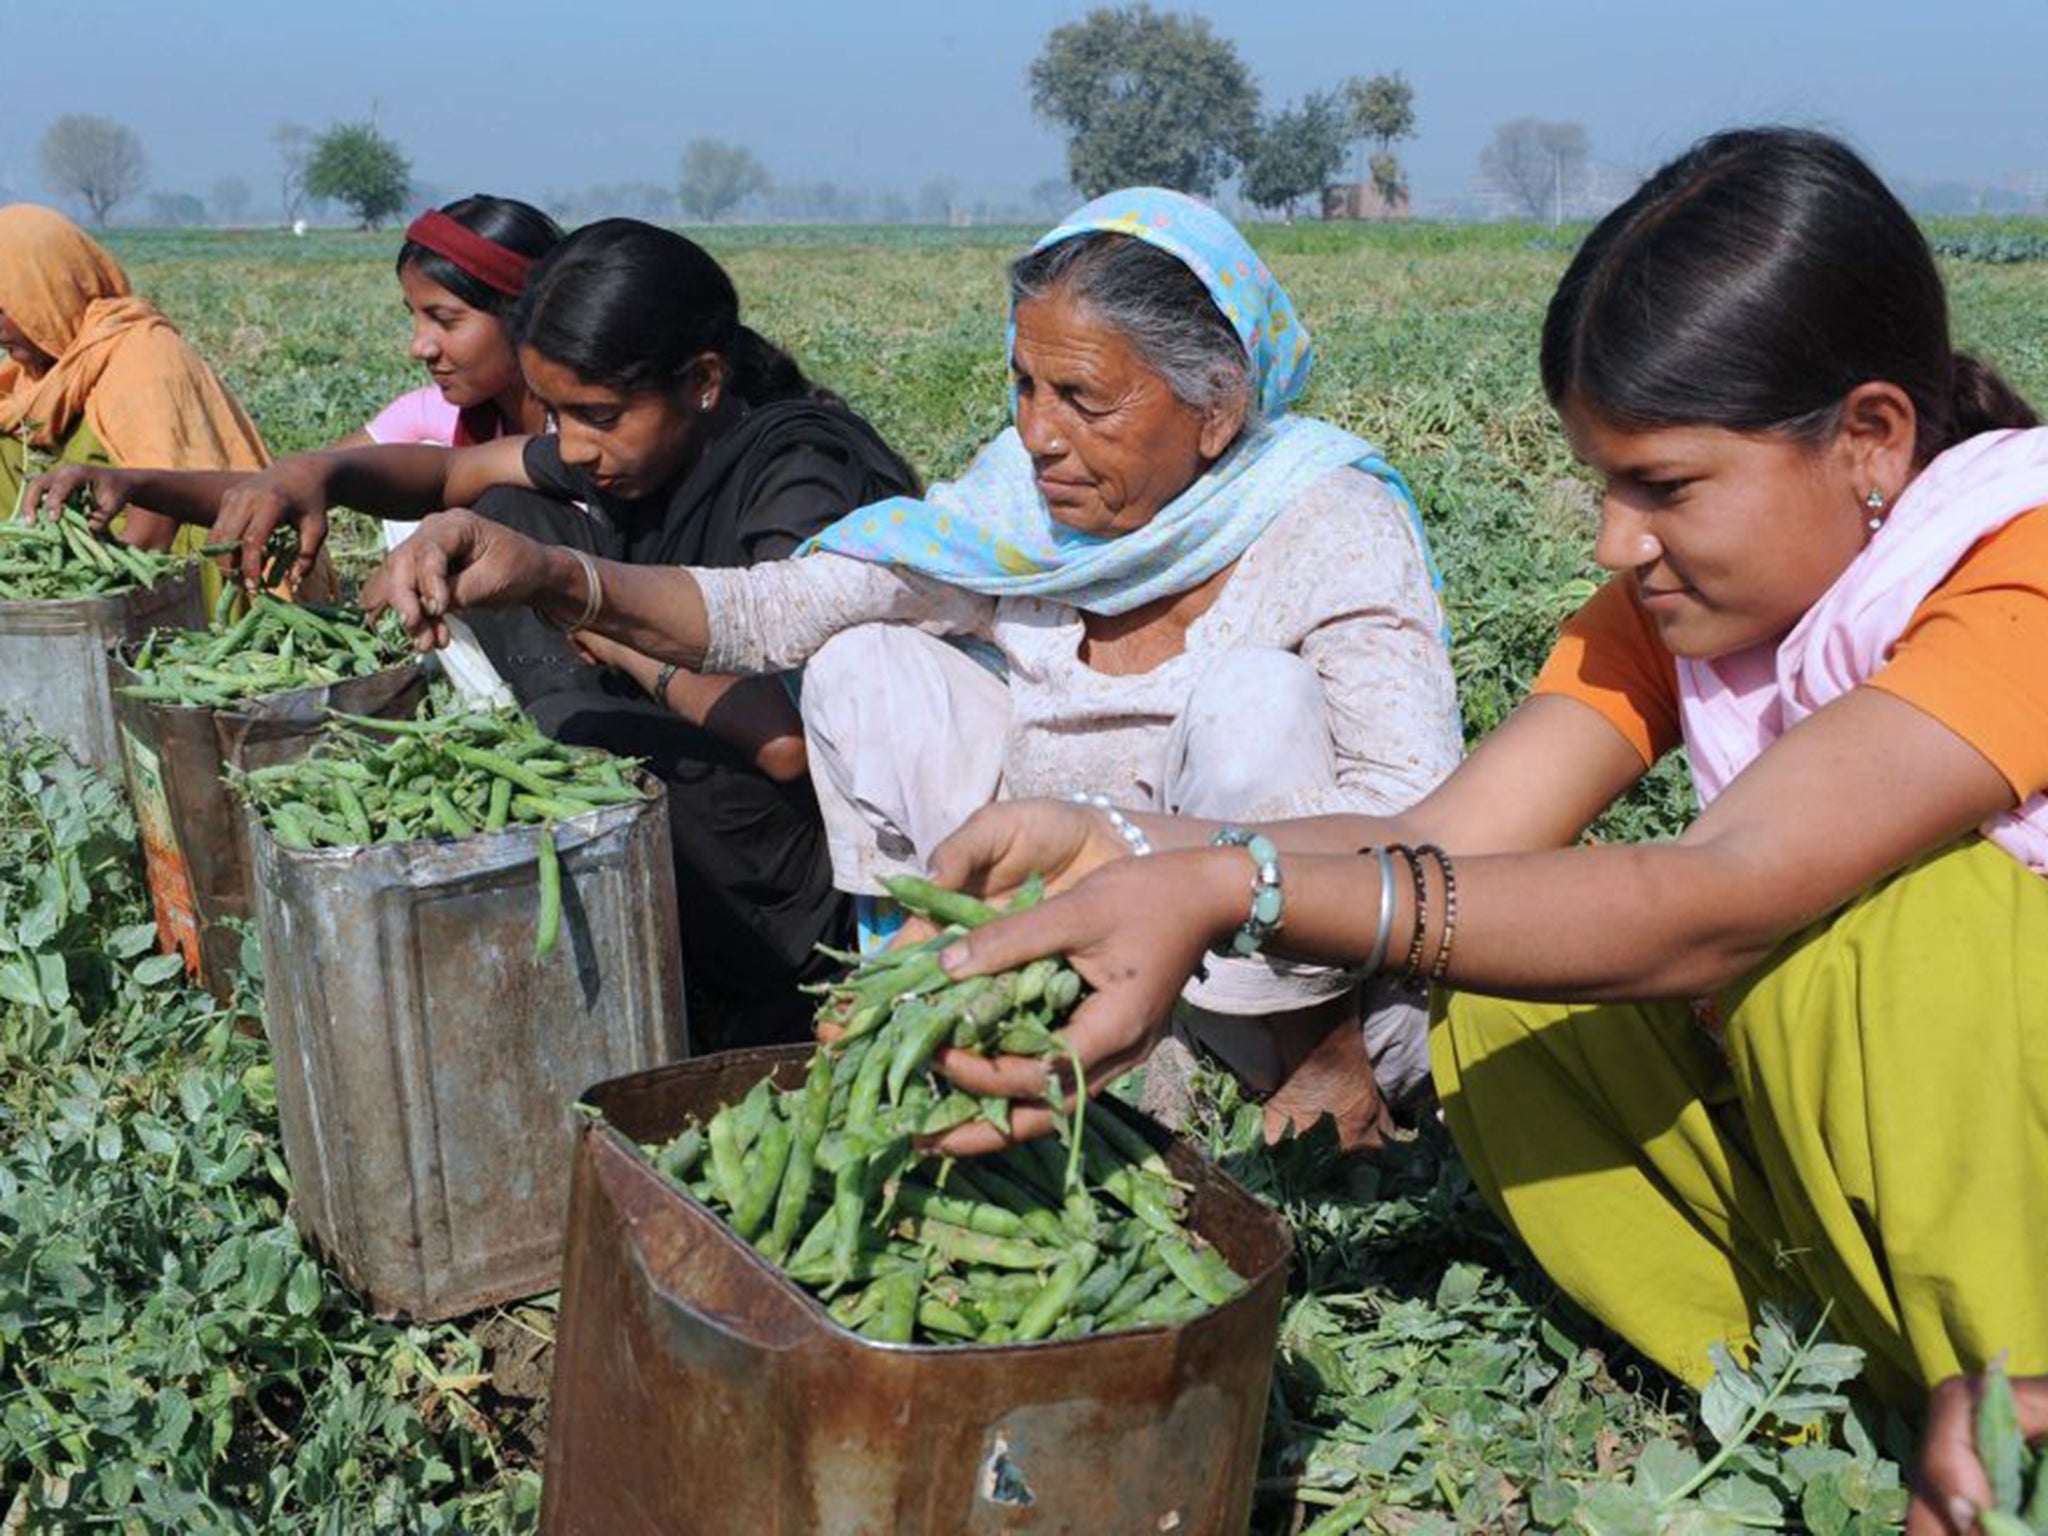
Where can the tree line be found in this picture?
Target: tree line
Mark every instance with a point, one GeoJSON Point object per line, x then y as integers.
{"type": "Point", "coordinates": [1143, 97]}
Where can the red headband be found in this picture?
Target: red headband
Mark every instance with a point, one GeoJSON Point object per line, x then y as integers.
{"type": "Point", "coordinates": [485, 260]}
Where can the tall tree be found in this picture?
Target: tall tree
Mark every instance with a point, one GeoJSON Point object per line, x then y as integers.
{"type": "Point", "coordinates": [717, 177]}
{"type": "Point", "coordinates": [229, 197]}
{"type": "Point", "coordinates": [1538, 166]}
{"type": "Point", "coordinates": [1297, 153]}
{"type": "Point", "coordinates": [294, 145]}
{"type": "Point", "coordinates": [94, 159]}
{"type": "Point", "coordinates": [355, 165]}
{"type": "Point", "coordinates": [1383, 114]}
{"type": "Point", "coordinates": [176, 210]}
{"type": "Point", "coordinates": [1146, 97]}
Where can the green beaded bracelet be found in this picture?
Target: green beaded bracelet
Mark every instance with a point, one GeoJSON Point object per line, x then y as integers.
{"type": "Point", "coordinates": [1268, 902]}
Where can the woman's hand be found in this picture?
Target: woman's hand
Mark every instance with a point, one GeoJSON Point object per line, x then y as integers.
{"type": "Point", "coordinates": [1951, 1488]}
{"type": "Point", "coordinates": [290, 491]}
{"type": "Point", "coordinates": [1136, 930]}
{"type": "Point", "coordinates": [1001, 846]}
{"type": "Point", "coordinates": [456, 560]}
{"type": "Point", "coordinates": [109, 489]}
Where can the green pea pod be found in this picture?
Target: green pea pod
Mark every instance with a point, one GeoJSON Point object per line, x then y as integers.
{"type": "Point", "coordinates": [764, 1179]}
{"type": "Point", "coordinates": [1052, 1303]}
{"type": "Point", "coordinates": [898, 1316]}
{"type": "Point", "coordinates": [1995, 1522]}
{"type": "Point", "coordinates": [795, 1193]}
{"type": "Point", "coordinates": [935, 1317]}
{"type": "Point", "coordinates": [917, 1042]}
{"type": "Point", "coordinates": [1145, 1279]}
{"type": "Point", "coordinates": [549, 930]}
{"type": "Point", "coordinates": [941, 906]}
{"type": "Point", "coordinates": [849, 1196]}
{"type": "Point", "coordinates": [500, 810]}
{"type": "Point", "coordinates": [975, 1215]}
{"type": "Point", "coordinates": [728, 1172]}
{"type": "Point", "coordinates": [1191, 1272]}
{"type": "Point", "coordinates": [963, 1245]}
{"type": "Point", "coordinates": [682, 1154]}
{"type": "Point", "coordinates": [2000, 1445]}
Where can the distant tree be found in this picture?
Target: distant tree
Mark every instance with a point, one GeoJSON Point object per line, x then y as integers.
{"type": "Point", "coordinates": [1538, 166]}
{"type": "Point", "coordinates": [294, 145]}
{"type": "Point", "coordinates": [95, 160]}
{"type": "Point", "coordinates": [936, 200]}
{"type": "Point", "coordinates": [1382, 114]}
{"type": "Point", "coordinates": [355, 165]}
{"type": "Point", "coordinates": [895, 208]}
{"type": "Point", "coordinates": [230, 199]}
{"type": "Point", "coordinates": [1146, 97]}
{"type": "Point", "coordinates": [176, 210]}
{"type": "Point", "coordinates": [718, 177]}
{"type": "Point", "coordinates": [1297, 152]}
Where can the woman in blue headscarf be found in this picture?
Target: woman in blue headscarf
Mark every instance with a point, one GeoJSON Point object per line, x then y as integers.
{"type": "Point", "coordinates": [1160, 587]}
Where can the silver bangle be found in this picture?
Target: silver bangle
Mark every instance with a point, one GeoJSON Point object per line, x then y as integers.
{"type": "Point", "coordinates": [1378, 957]}
{"type": "Point", "coordinates": [593, 593]}
{"type": "Point", "coordinates": [1133, 835]}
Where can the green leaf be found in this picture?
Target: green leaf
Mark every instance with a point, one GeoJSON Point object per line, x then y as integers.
{"type": "Point", "coordinates": [1618, 1509]}
{"type": "Point", "coordinates": [2000, 1446]}
{"type": "Point", "coordinates": [302, 1295]}
{"type": "Point", "coordinates": [135, 939]}
{"type": "Point", "coordinates": [53, 981]}
{"type": "Point", "coordinates": [1664, 1468]}
{"type": "Point", "coordinates": [18, 982]}
{"type": "Point", "coordinates": [1743, 1499]}
{"type": "Point", "coordinates": [158, 969]}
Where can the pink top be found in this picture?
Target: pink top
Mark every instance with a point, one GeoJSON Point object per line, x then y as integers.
{"type": "Point", "coordinates": [425, 416]}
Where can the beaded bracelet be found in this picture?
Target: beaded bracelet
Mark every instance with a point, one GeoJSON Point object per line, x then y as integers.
{"type": "Point", "coordinates": [1378, 957]}
{"type": "Point", "coordinates": [1133, 835]}
{"type": "Point", "coordinates": [1268, 901]}
{"type": "Point", "coordinates": [1442, 963]}
{"type": "Point", "coordinates": [667, 675]}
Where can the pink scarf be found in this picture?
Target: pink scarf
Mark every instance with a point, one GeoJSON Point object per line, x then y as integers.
{"type": "Point", "coordinates": [1734, 706]}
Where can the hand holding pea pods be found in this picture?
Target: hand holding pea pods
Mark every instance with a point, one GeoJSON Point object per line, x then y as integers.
{"type": "Point", "coordinates": [1035, 1242]}
{"type": "Point", "coordinates": [396, 781]}
{"type": "Point", "coordinates": [65, 558]}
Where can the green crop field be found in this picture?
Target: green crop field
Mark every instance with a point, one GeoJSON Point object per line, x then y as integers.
{"type": "Point", "coordinates": [171, 1358]}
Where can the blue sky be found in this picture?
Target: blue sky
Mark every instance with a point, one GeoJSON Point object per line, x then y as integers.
{"type": "Point", "coordinates": [519, 97]}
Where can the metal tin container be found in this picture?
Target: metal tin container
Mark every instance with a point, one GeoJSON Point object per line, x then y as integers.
{"type": "Point", "coordinates": [195, 840]}
{"type": "Point", "coordinates": [696, 1389]}
{"type": "Point", "coordinates": [53, 660]}
{"type": "Point", "coordinates": [428, 1065]}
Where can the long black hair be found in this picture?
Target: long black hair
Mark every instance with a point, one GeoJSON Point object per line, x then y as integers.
{"type": "Point", "coordinates": [505, 221]}
{"type": "Point", "coordinates": [1751, 284]}
{"type": "Point", "coordinates": [627, 306]}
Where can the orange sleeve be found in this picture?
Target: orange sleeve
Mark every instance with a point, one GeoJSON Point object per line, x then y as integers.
{"type": "Point", "coordinates": [1608, 655]}
{"type": "Point", "coordinates": [1975, 653]}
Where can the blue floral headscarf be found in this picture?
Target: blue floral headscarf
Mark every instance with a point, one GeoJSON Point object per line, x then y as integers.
{"type": "Point", "coordinates": [990, 532]}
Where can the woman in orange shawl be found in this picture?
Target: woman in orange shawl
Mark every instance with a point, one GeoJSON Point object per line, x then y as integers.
{"type": "Point", "coordinates": [94, 375]}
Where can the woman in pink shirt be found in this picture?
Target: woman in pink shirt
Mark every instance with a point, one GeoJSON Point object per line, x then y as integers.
{"type": "Point", "coordinates": [461, 268]}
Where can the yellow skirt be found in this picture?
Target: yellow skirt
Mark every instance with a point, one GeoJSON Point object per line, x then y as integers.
{"type": "Point", "coordinates": [1871, 1132]}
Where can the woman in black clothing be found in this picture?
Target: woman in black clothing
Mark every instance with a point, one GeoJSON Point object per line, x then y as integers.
{"type": "Point", "coordinates": [681, 437]}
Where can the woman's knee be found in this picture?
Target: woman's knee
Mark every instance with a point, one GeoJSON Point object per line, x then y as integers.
{"type": "Point", "coordinates": [1256, 727]}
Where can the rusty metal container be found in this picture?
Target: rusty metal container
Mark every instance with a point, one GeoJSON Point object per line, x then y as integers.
{"type": "Point", "coordinates": [53, 660]}
{"type": "Point", "coordinates": [697, 1390]}
{"type": "Point", "coordinates": [428, 1065]}
{"type": "Point", "coordinates": [195, 839]}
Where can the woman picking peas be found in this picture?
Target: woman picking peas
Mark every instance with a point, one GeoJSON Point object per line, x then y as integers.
{"type": "Point", "coordinates": [1801, 1052]}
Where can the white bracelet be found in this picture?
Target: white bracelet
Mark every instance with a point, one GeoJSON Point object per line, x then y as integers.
{"type": "Point", "coordinates": [1133, 835]}
{"type": "Point", "coordinates": [1378, 958]}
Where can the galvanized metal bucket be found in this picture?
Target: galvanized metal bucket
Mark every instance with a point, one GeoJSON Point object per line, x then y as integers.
{"type": "Point", "coordinates": [698, 1390]}
{"type": "Point", "coordinates": [195, 841]}
{"type": "Point", "coordinates": [53, 660]}
{"type": "Point", "coordinates": [428, 1065]}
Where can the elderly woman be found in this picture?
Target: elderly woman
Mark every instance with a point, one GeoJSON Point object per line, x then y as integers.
{"type": "Point", "coordinates": [94, 375]}
{"type": "Point", "coordinates": [1162, 590]}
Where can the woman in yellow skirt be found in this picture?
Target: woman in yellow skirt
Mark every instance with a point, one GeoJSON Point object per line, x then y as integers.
{"type": "Point", "coordinates": [1801, 1052]}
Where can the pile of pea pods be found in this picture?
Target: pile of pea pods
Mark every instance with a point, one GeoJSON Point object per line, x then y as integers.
{"type": "Point", "coordinates": [1060, 1237]}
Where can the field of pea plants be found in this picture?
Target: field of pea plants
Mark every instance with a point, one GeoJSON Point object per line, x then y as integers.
{"type": "Point", "coordinates": [172, 1358]}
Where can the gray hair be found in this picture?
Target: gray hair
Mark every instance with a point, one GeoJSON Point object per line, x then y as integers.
{"type": "Point", "coordinates": [1155, 301]}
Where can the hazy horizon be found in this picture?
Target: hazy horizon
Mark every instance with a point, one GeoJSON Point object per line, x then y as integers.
{"type": "Point", "coordinates": [516, 99]}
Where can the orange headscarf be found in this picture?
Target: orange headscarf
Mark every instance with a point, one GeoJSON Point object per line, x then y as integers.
{"type": "Point", "coordinates": [120, 365]}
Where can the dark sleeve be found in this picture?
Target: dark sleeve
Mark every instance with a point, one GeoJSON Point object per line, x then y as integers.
{"type": "Point", "coordinates": [800, 493]}
{"type": "Point", "coordinates": [550, 476]}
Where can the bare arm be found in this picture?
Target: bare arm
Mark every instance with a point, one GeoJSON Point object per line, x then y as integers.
{"type": "Point", "coordinates": [753, 715]}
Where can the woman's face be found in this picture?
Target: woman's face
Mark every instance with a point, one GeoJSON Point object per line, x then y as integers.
{"type": "Point", "coordinates": [1729, 537]}
{"type": "Point", "coordinates": [34, 361]}
{"type": "Point", "coordinates": [465, 351]}
{"type": "Point", "coordinates": [633, 445]}
{"type": "Point", "coordinates": [1110, 442]}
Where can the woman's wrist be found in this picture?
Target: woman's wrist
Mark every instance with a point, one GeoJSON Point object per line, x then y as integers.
{"type": "Point", "coordinates": [1217, 876]}
{"type": "Point", "coordinates": [562, 590]}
